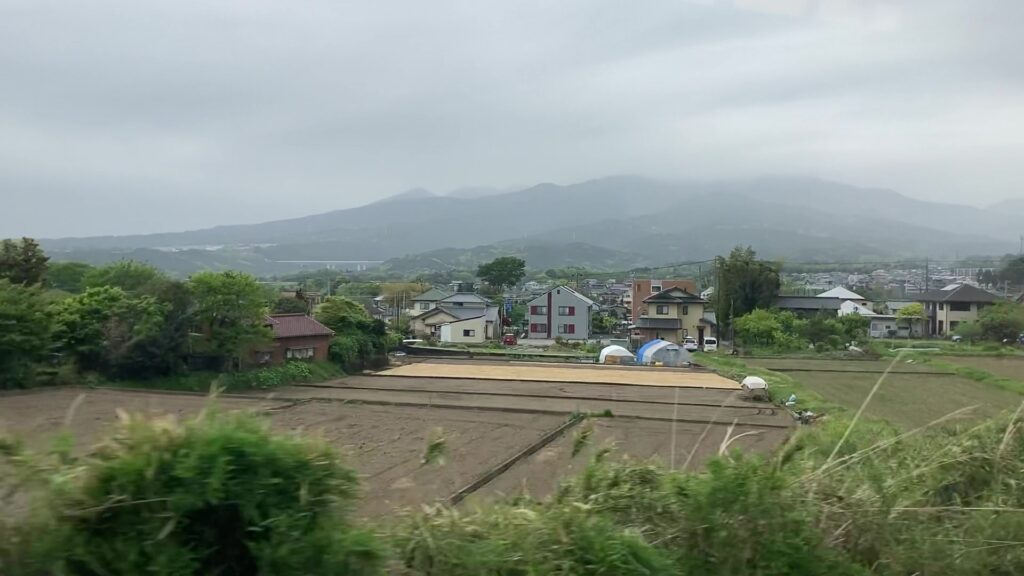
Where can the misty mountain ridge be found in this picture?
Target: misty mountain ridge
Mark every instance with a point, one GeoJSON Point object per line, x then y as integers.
{"type": "Point", "coordinates": [628, 217]}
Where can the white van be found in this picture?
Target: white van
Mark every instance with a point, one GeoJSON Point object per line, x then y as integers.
{"type": "Point", "coordinates": [710, 344]}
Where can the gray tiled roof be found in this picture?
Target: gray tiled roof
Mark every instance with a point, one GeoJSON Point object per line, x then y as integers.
{"type": "Point", "coordinates": [432, 295]}
{"type": "Point", "coordinates": [660, 323]}
{"type": "Point", "coordinates": [807, 303]}
{"type": "Point", "coordinates": [962, 293]}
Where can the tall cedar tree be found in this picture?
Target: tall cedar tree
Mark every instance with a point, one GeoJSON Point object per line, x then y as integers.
{"type": "Point", "coordinates": [744, 284]}
{"type": "Point", "coordinates": [22, 261]}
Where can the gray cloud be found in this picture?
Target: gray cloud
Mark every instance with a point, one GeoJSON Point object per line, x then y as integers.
{"type": "Point", "coordinates": [123, 117]}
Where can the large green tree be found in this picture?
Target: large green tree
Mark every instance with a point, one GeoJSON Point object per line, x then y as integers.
{"type": "Point", "coordinates": [342, 315]}
{"type": "Point", "coordinates": [229, 311]}
{"type": "Point", "coordinates": [502, 272]}
{"type": "Point", "coordinates": [22, 261]}
{"type": "Point", "coordinates": [67, 276]}
{"type": "Point", "coordinates": [102, 328]}
{"type": "Point", "coordinates": [1012, 271]}
{"type": "Point", "coordinates": [744, 284]}
{"type": "Point", "coordinates": [24, 332]}
{"type": "Point", "coordinates": [1002, 321]}
{"type": "Point", "coordinates": [128, 275]}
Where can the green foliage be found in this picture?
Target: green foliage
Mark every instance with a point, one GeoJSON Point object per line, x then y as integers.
{"type": "Point", "coordinates": [229, 309]}
{"type": "Point", "coordinates": [25, 330]}
{"type": "Point", "coordinates": [342, 315]}
{"type": "Point", "coordinates": [970, 331]}
{"type": "Point", "coordinates": [67, 276]}
{"type": "Point", "coordinates": [603, 324]}
{"type": "Point", "coordinates": [782, 330]}
{"type": "Point", "coordinates": [286, 305]}
{"type": "Point", "coordinates": [505, 540]}
{"type": "Point", "coordinates": [218, 495]}
{"type": "Point", "coordinates": [744, 284]}
{"type": "Point", "coordinates": [22, 261]}
{"type": "Point", "coordinates": [503, 271]}
{"type": "Point", "coordinates": [102, 328]}
{"type": "Point", "coordinates": [1002, 321]}
{"type": "Point", "coordinates": [915, 310]}
{"type": "Point", "coordinates": [130, 276]}
{"type": "Point", "coordinates": [1012, 271]}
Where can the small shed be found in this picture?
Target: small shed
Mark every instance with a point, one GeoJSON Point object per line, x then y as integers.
{"type": "Point", "coordinates": [663, 352]}
{"type": "Point", "coordinates": [615, 355]}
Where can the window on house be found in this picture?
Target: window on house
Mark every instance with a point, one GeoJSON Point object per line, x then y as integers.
{"type": "Point", "coordinates": [538, 310]}
{"type": "Point", "coordinates": [959, 306]}
{"type": "Point", "coordinates": [942, 306]}
{"type": "Point", "coordinates": [424, 305]}
{"type": "Point", "coordinates": [539, 328]}
{"type": "Point", "coordinates": [655, 288]}
{"type": "Point", "coordinates": [566, 328]}
{"type": "Point", "coordinates": [686, 333]}
{"type": "Point", "coordinates": [299, 353]}
{"type": "Point", "coordinates": [468, 333]}
{"type": "Point", "coordinates": [661, 309]}
{"type": "Point", "coordinates": [566, 310]}
{"type": "Point", "coordinates": [686, 310]}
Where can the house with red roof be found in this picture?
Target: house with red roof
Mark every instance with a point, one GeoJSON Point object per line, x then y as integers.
{"type": "Point", "coordinates": [296, 337]}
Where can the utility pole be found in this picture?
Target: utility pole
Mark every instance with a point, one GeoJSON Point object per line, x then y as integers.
{"type": "Point", "coordinates": [927, 279]}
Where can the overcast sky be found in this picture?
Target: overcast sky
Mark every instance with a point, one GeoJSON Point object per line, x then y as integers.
{"type": "Point", "coordinates": [125, 116]}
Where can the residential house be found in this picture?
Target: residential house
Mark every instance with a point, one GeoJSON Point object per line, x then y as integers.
{"type": "Point", "coordinates": [641, 289]}
{"type": "Point", "coordinates": [482, 322]}
{"type": "Point", "coordinates": [844, 295]}
{"type": "Point", "coordinates": [672, 314]}
{"type": "Point", "coordinates": [880, 325]}
{"type": "Point", "coordinates": [560, 312]}
{"type": "Point", "coordinates": [426, 302]}
{"type": "Point", "coordinates": [947, 308]}
{"type": "Point", "coordinates": [296, 337]}
{"type": "Point", "coordinates": [805, 306]}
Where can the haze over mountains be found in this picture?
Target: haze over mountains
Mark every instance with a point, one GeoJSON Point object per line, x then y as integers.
{"type": "Point", "coordinates": [612, 223]}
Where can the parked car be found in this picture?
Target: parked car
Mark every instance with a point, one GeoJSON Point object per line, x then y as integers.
{"type": "Point", "coordinates": [690, 344]}
{"type": "Point", "coordinates": [710, 344]}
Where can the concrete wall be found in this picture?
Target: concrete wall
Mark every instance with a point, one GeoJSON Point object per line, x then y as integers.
{"type": "Point", "coordinates": [454, 332]}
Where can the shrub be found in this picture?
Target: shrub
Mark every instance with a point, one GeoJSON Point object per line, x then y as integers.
{"type": "Point", "coordinates": [217, 495]}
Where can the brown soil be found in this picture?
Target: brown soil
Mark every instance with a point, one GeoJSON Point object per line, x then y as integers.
{"type": "Point", "coordinates": [386, 446]}
{"type": "Point", "coordinates": [557, 373]}
{"type": "Point", "coordinates": [539, 475]}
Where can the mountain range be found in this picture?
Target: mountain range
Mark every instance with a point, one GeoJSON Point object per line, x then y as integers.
{"type": "Point", "coordinates": [612, 223]}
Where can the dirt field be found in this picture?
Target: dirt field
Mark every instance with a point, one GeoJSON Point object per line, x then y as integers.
{"type": "Point", "coordinates": [1007, 367]}
{"type": "Point", "coordinates": [382, 424]}
{"type": "Point", "coordinates": [861, 366]}
{"type": "Point", "coordinates": [909, 400]}
{"type": "Point", "coordinates": [635, 440]}
{"type": "Point", "coordinates": [557, 373]}
{"type": "Point", "coordinates": [37, 416]}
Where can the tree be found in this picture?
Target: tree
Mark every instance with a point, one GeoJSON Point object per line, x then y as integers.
{"type": "Point", "coordinates": [1002, 321]}
{"type": "Point", "coordinates": [67, 276]}
{"type": "Point", "coordinates": [759, 327]}
{"type": "Point", "coordinates": [101, 328]}
{"type": "Point", "coordinates": [744, 284]}
{"type": "Point", "coordinates": [911, 315]}
{"type": "Point", "coordinates": [24, 332]}
{"type": "Point", "coordinates": [1012, 271]}
{"type": "Point", "coordinates": [128, 275]}
{"type": "Point", "coordinates": [22, 261]}
{"type": "Point", "coordinates": [503, 271]}
{"type": "Point", "coordinates": [343, 315]}
{"type": "Point", "coordinates": [970, 331]}
{"type": "Point", "coordinates": [285, 305]}
{"type": "Point", "coordinates": [230, 310]}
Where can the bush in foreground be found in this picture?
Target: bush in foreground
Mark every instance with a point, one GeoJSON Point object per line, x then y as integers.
{"type": "Point", "coordinates": [218, 495]}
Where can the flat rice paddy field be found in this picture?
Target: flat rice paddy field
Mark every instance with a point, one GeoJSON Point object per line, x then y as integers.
{"type": "Point", "coordinates": [500, 435]}
{"type": "Point", "coordinates": [1006, 366]}
{"type": "Point", "coordinates": [912, 395]}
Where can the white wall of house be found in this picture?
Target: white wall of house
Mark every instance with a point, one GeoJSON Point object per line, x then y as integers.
{"type": "Point", "coordinates": [471, 331]}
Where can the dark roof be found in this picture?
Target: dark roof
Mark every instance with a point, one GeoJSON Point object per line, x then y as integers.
{"type": "Point", "coordinates": [962, 293]}
{"type": "Point", "coordinates": [466, 298]}
{"type": "Point", "coordinates": [457, 312]}
{"type": "Point", "coordinates": [807, 303]}
{"type": "Point", "coordinates": [296, 325]}
{"type": "Point", "coordinates": [432, 295]}
{"type": "Point", "coordinates": [674, 295]}
{"type": "Point", "coordinates": [659, 323]}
